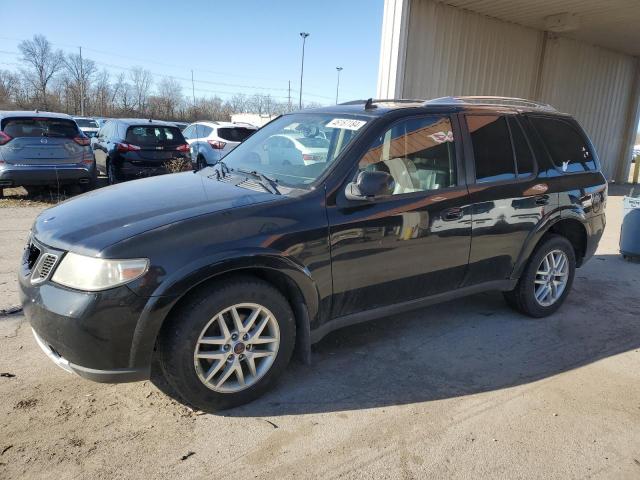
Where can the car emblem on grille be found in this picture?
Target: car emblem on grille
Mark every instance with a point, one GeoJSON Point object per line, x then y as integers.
{"type": "Point", "coordinates": [43, 140]}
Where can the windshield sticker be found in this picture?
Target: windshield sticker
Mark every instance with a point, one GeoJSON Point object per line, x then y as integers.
{"type": "Point", "coordinates": [346, 123]}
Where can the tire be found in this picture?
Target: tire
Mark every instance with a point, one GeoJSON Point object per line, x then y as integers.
{"type": "Point", "coordinates": [112, 173]}
{"type": "Point", "coordinates": [523, 297]}
{"type": "Point", "coordinates": [199, 317]}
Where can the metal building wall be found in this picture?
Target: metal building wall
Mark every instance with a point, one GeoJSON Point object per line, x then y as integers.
{"type": "Point", "coordinates": [455, 52]}
{"type": "Point", "coordinates": [441, 50]}
{"type": "Point", "coordinates": [594, 85]}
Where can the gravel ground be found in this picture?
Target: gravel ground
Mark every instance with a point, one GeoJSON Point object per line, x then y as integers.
{"type": "Point", "coordinates": [467, 389]}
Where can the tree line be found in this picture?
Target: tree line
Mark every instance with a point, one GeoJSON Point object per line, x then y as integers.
{"type": "Point", "coordinates": [51, 80]}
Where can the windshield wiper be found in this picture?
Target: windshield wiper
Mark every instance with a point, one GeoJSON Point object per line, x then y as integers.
{"type": "Point", "coordinates": [223, 167]}
{"type": "Point", "coordinates": [268, 183]}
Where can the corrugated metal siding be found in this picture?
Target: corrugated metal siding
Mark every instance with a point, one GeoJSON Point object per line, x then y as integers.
{"type": "Point", "coordinates": [594, 85]}
{"type": "Point", "coordinates": [392, 48]}
{"type": "Point", "coordinates": [455, 52]}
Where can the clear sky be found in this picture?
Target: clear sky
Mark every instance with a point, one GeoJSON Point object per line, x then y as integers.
{"type": "Point", "coordinates": [232, 46]}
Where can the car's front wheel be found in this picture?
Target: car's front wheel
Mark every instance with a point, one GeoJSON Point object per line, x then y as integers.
{"type": "Point", "coordinates": [226, 345]}
{"type": "Point", "coordinates": [546, 280]}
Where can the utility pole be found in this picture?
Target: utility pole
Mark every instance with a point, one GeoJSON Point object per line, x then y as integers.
{"type": "Point", "coordinates": [81, 84]}
{"type": "Point", "coordinates": [289, 108]}
{"type": "Point", "coordinates": [304, 36]}
{"type": "Point", "coordinates": [193, 91]}
{"type": "Point", "coordinates": [339, 69]}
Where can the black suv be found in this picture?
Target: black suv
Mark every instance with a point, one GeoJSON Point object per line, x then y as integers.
{"type": "Point", "coordinates": [134, 148]}
{"type": "Point", "coordinates": [220, 274]}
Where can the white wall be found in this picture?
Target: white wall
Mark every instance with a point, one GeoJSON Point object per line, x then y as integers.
{"type": "Point", "coordinates": [431, 50]}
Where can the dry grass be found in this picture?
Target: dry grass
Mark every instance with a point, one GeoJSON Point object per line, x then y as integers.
{"type": "Point", "coordinates": [178, 165]}
{"type": "Point", "coordinates": [19, 197]}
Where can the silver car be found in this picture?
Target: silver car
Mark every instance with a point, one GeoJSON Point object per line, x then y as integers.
{"type": "Point", "coordinates": [44, 149]}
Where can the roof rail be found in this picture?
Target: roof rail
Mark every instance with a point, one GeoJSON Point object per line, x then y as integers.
{"type": "Point", "coordinates": [495, 101]}
{"type": "Point", "coordinates": [384, 100]}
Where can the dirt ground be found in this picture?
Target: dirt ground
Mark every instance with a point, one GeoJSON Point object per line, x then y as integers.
{"type": "Point", "coordinates": [466, 389]}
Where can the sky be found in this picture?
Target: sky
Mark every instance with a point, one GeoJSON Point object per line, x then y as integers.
{"type": "Point", "coordinates": [238, 46]}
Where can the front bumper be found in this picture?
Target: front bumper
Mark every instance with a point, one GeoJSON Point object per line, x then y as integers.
{"type": "Point", "coordinates": [19, 175]}
{"type": "Point", "coordinates": [103, 376]}
{"type": "Point", "coordinates": [88, 333]}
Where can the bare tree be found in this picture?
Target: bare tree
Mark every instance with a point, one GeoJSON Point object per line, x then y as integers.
{"type": "Point", "coordinates": [170, 97]}
{"type": "Point", "coordinates": [9, 85]}
{"type": "Point", "coordinates": [102, 92]}
{"type": "Point", "coordinates": [141, 82]}
{"type": "Point", "coordinates": [80, 72]}
{"type": "Point", "coordinates": [42, 64]}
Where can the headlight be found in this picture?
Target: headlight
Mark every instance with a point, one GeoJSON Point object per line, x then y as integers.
{"type": "Point", "coordinates": [92, 274]}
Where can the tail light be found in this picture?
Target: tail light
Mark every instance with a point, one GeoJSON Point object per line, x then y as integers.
{"type": "Point", "coordinates": [311, 158]}
{"type": "Point", "coordinates": [217, 144]}
{"type": "Point", "coordinates": [183, 148]}
{"type": "Point", "coordinates": [4, 138]}
{"type": "Point", "coordinates": [126, 147]}
{"type": "Point", "coordinates": [82, 140]}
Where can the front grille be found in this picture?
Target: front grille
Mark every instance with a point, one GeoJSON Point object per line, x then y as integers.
{"type": "Point", "coordinates": [44, 267]}
{"type": "Point", "coordinates": [38, 261]}
{"type": "Point", "coordinates": [31, 254]}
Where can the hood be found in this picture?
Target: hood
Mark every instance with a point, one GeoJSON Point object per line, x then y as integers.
{"type": "Point", "coordinates": [91, 222]}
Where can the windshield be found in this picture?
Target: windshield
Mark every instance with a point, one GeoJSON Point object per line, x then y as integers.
{"type": "Point", "coordinates": [281, 150]}
{"type": "Point", "coordinates": [86, 123]}
{"type": "Point", "coordinates": [146, 136]}
{"type": "Point", "coordinates": [39, 127]}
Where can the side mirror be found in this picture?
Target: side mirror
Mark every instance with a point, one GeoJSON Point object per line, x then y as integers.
{"type": "Point", "coordinates": [370, 185]}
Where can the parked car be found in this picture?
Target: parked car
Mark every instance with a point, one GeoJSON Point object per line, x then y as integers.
{"type": "Point", "coordinates": [101, 121]}
{"type": "Point", "coordinates": [135, 148]}
{"type": "Point", "coordinates": [211, 141]}
{"type": "Point", "coordinates": [297, 149]}
{"type": "Point", "coordinates": [88, 126]}
{"type": "Point", "coordinates": [220, 274]}
{"type": "Point", "coordinates": [39, 149]}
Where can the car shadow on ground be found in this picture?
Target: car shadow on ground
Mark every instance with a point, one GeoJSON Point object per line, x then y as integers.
{"type": "Point", "coordinates": [462, 347]}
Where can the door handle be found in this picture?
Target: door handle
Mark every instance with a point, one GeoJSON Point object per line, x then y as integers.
{"type": "Point", "coordinates": [451, 214]}
{"type": "Point", "coordinates": [542, 200]}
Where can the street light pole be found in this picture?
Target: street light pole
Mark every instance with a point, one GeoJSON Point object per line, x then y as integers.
{"type": "Point", "coordinates": [304, 36]}
{"type": "Point", "coordinates": [339, 69]}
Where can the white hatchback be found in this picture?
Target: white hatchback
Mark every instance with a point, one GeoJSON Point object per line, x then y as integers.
{"type": "Point", "coordinates": [211, 141]}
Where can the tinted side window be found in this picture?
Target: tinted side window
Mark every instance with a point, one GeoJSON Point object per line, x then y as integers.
{"type": "Point", "coordinates": [491, 148]}
{"type": "Point", "coordinates": [524, 156]}
{"type": "Point", "coordinates": [568, 148]}
{"type": "Point", "coordinates": [418, 153]}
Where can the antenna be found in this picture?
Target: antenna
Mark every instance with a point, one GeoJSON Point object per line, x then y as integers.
{"type": "Point", "coordinates": [369, 105]}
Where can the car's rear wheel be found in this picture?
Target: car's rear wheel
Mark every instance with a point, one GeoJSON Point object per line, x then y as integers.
{"type": "Point", "coordinates": [113, 175]}
{"type": "Point", "coordinates": [227, 345]}
{"type": "Point", "coordinates": [546, 280]}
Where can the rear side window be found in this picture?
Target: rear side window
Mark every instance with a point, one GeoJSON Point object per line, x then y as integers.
{"type": "Point", "coordinates": [567, 147]}
{"type": "Point", "coordinates": [154, 135]}
{"type": "Point", "coordinates": [40, 127]}
{"type": "Point", "coordinates": [524, 156]}
{"type": "Point", "coordinates": [491, 148]}
{"type": "Point", "coordinates": [235, 134]}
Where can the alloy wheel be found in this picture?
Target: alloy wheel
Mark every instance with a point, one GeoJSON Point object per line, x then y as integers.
{"type": "Point", "coordinates": [551, 278]}
{"type": "Point", "coordinates": [237, 347]}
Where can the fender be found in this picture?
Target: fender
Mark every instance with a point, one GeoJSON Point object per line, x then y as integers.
{"type": "Point", "coordinates": [176, 286]}
{"type": "Point", "coordinates": [548, 221]}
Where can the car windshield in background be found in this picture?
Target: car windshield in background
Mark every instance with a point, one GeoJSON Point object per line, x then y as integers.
{"type": "Point", "coordinates": [235, 134]}
{"type": "Point", "coordinates": [147, 135]}
{"type": "Point", "coordinates": [87, 123]}
{"type": "Point", "coordinates": [39, 127]}
{"type": "Point", "coordinates": [278, 149]}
